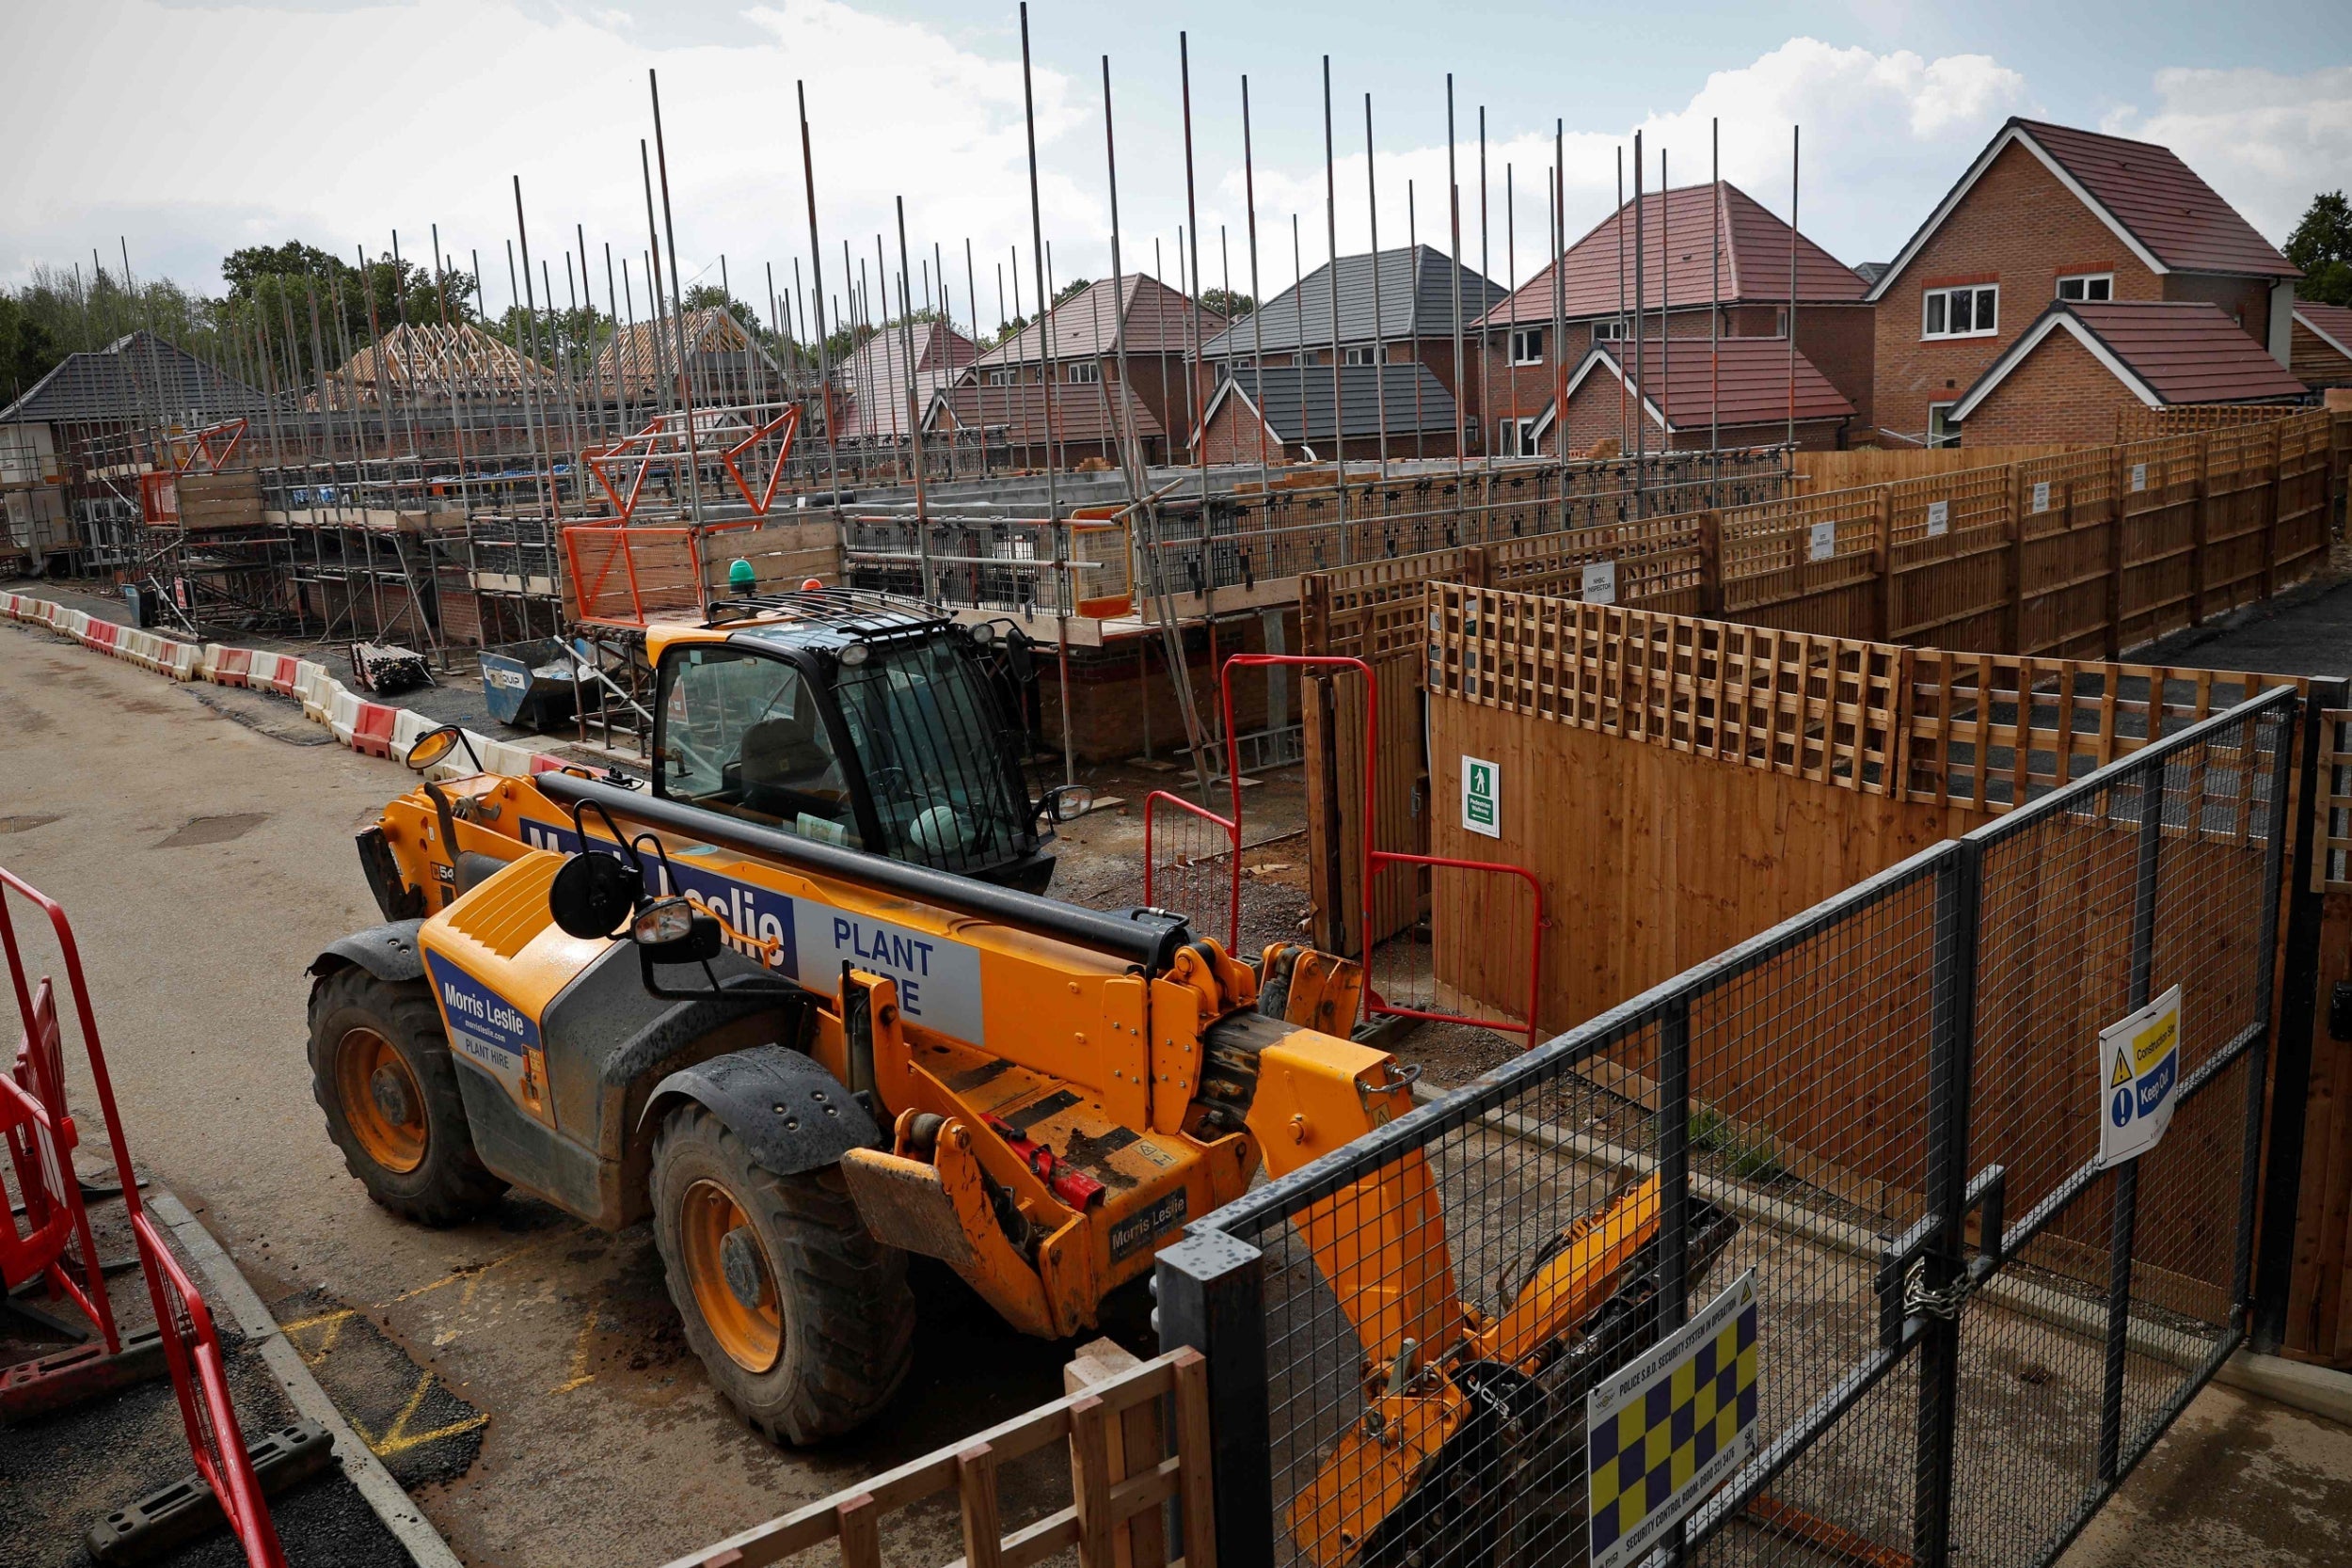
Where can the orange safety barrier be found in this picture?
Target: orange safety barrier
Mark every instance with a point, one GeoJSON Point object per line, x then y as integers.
{"type": "Point", "coordinates": [102, 635]}
{"type": "Point", "coordinates": [232, 667]}
{"type": "Point", "coordinates": [191, 1346]}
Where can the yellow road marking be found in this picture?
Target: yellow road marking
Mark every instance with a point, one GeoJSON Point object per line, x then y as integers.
{"type": "Point", "coordinates": [332, 1323]}
{"type": "Point", "coordinates": [398, 1439]}
{"type": "Point", "coordinates": [579, 1369]}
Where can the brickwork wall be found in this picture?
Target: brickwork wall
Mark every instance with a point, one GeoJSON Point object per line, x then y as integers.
{"type": "Point", "coordinates": [2060, 393]}
{"type": "Point", "coordinates": [1594, 415]}
{"type": "Point", "coordinates": [2025, 230]}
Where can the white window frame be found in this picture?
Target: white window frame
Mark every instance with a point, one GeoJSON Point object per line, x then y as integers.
{"type": "Point", "coordinates": [1949, 436]}
{"type": "Point", "coordinates": [1527, 345]}
{"type": "Point", "coordinates": [1515, 443]}
{"type": "Point", "coordinates": [1359, 353]}
{"type": "Point", "coordinates": [1302, 359]}
{"type": "Point", "coordinates": [1929, 298]}
{"type": "Point", "coordinates": [1004, 375]}
{"type": "Point", "coordinates": [1609, 332]}
{"type": "Point", "coordinates": [2086, 278]}
{"type": "Point", "coordinates": [1082, 372]}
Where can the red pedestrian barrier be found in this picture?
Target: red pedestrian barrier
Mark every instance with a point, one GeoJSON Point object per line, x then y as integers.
{"type": "Point", "coordinates": [373, 734]}
{"type": "Point", "coordinates": [232, 667]}
{"type": "Point", "coordinates": [102, 635]}
{"type": "Point", "coordinates": [41, 1133]}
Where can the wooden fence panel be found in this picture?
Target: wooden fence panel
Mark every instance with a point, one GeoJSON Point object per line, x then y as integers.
{"type": "Point", "coordinates": [2068, 576]}
{"type": "Point", "coordinates": [1951, 565]}
{"type": "Point", "coordinates": [2162, 512]}
{"type": "Point", "coordinates": [2240, 463]}
{"type": "Point", "coordinates": [2300, 544]}
{"type": "Point", "coordinates": [1809, 565]}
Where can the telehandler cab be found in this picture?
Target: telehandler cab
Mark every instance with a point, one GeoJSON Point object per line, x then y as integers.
{"type": "Point", "coordinates": [844, 1025]}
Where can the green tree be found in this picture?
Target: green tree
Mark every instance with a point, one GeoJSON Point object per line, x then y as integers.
{"type": "Point", "coordinates": [27, 352]}
{"type": "Point", "coordinates": [2321, 245]}
{"type": "Point", "coordinates": [1074, 286]}
{"type": "Point", "coordinates": [1230, 303]}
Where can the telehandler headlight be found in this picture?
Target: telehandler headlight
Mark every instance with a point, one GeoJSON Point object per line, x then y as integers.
{"type": "Point", "coordinates": [854, 655]}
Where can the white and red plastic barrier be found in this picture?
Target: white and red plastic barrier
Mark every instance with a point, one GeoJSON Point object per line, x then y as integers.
{"type": "Point", "coordinates": [376, 729]}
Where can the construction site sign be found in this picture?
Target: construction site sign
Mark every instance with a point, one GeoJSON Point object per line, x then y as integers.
{"type": "Point", "coordinates": [1663, 1432]}
{"type": "Point", "coordinates": [1482, 797]}
{"type": "Point", "coordinates": [1601, 582]}
{"type": "Point", "coordinates": [2139, 1079]}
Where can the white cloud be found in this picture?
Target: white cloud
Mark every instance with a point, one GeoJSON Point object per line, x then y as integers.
{"type": "Point", "coordinates": [2266, 142]}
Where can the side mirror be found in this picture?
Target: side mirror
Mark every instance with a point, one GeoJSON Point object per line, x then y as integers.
{"type": "Point", "coordinates": [673, 931]}
{"type": "Point", "coordinates": [592, 895]}
{"type": "Point", "coordinates": [435, 746]}
{"type": "Point", "coordinates": [1068, 803]}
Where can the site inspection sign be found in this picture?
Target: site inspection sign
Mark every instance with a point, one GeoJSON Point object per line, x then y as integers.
{"type": "Point", "coordinates": [1663, 1432]}
{"type": "Point", "coordinates": [1482, 797]}
{"type": "Point", "coordinates": [2140, 1078]}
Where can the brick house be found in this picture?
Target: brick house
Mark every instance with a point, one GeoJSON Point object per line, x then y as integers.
{"type": "Point", "coordinates": [1742, 393]}
{"type": "Point", "coordinates": [875, 377]}
{"type": "Point", "coordinates": [1079, 421]}
{"type": "Point", "coordinates": [2069, 372]}
{"type": "Point", "coordinates": [2321, 355]}
{"type": "Point", "coordinates": [1714, 263]}
{"type": "Point", "coordinates": [1079, 343]}
{"type": "Point", "coordinates": [2048, 212]}
{"type": "Point", "coordinates": [1402, 300]}
{"type": "Point", "coordinates": [1283, 414]}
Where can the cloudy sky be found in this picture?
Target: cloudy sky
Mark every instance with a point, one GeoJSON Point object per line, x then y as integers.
{"type": "Point", "coordinates": [188, 129]}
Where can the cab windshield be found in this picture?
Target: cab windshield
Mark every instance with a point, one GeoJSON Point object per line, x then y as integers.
{"type": "Point", "coordinates": [744, 733]}
{"type": "Point", "coordinates": [928, 731]}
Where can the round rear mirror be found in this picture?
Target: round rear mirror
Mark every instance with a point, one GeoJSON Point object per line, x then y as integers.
{"type": "Point", "coordinates": [433, 747]}
{"type": "Point", "coordinates": [593, 894]}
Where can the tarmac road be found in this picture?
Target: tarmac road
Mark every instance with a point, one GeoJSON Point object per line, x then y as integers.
{"type": "Point", "coordinates": [523, 1375]}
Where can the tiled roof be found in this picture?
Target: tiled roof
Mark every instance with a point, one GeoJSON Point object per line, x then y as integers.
{"type": "Point", "coordinates": [1080, 411]}
{"type": "Point", "coordinates": [137, 378]}
{"type": "Point", "coordinates": [1748, 377]}
{"type": "Point", "coordinates": [1688, 218]}
{"type": "Point", "coordinates": [2162, 201]}
{"type": "Point", "coordinates": [1087, 325]}
{"type": "Point", "coordinates": [1416, 301]}
{"type": "Point", "coordinates": [2151, 199]}
{"type": "Point", "coordinates": [2332, 323]}
{"type": "Point", "coordinates": [2175, 351]}
{"type": "Point", "coordinates": [1295, 400]}
{"type": "Point", "coordinates": [875, 377]}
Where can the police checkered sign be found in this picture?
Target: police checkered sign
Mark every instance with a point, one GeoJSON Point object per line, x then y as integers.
{"type": "Point", "coordinates": [1665, 1432]}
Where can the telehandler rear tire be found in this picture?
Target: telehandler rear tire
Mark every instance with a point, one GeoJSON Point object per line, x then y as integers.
{"type": "Point", "coordinates": [802, 1318]}
{"type": "Point", "coordinates": [380, 1069]}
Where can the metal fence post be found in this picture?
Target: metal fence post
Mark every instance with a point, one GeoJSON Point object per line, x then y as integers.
{"type": "Point", "coordinates": [1210, 1291]}
{"type": "Point", "coordinates": [1673, 1188]}
{"type": "Point", "coordinates": [1951, 1059]}
{"type": "Point", "coordinates": [2298, 1000]}
{"type": "Point", "coordinates": [2258, 1055]}
{"type": "Point", "coordinates": [2126, 1210]}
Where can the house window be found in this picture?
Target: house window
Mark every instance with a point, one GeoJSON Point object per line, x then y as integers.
{"type": "Point", "coordinates": [1609, 332]}
{"type": "Point", "coordinates": [1083, 372]}
{"type": "Point", "coordinates": [2088, 286]}
{"type": "Point", "coordinates": [1004, 375]}
{"type": "Point", "coordinates": [1515, 438]}
{"type": "Point", "coordinates": [1360, 355]}
{"type": "Point", "coordinates": [1972, 311]}
{"type": "Point", "coordinates": [1302, 359]}
{"type": "Point", "coordinates": [1942, 432]}
{"type": "Point", "coordinates": [1527, 345]}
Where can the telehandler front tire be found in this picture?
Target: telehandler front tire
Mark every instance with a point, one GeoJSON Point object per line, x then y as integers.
{"type": "Point", "coordinates": [802, 1318]}
{"type": "Point", "coordinates": [380, 1069]}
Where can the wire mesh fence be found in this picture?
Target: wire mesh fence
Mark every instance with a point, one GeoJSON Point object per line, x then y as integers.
{"type": "Point", "coordinates": [1883, 1116]}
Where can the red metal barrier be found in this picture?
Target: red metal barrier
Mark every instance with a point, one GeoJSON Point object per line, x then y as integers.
{"type": "Point", "coordinates": [1375, 857]}
{"type": "Point", "coordinates": [1156, 886]}
{"type": "Point", "coordinates": [55, 1245]}
{"type": "Point", "coordinates": [190, 1345]}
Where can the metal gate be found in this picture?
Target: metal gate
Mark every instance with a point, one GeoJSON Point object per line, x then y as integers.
{"type": "Point", "coordinates": [1889, 1110]}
